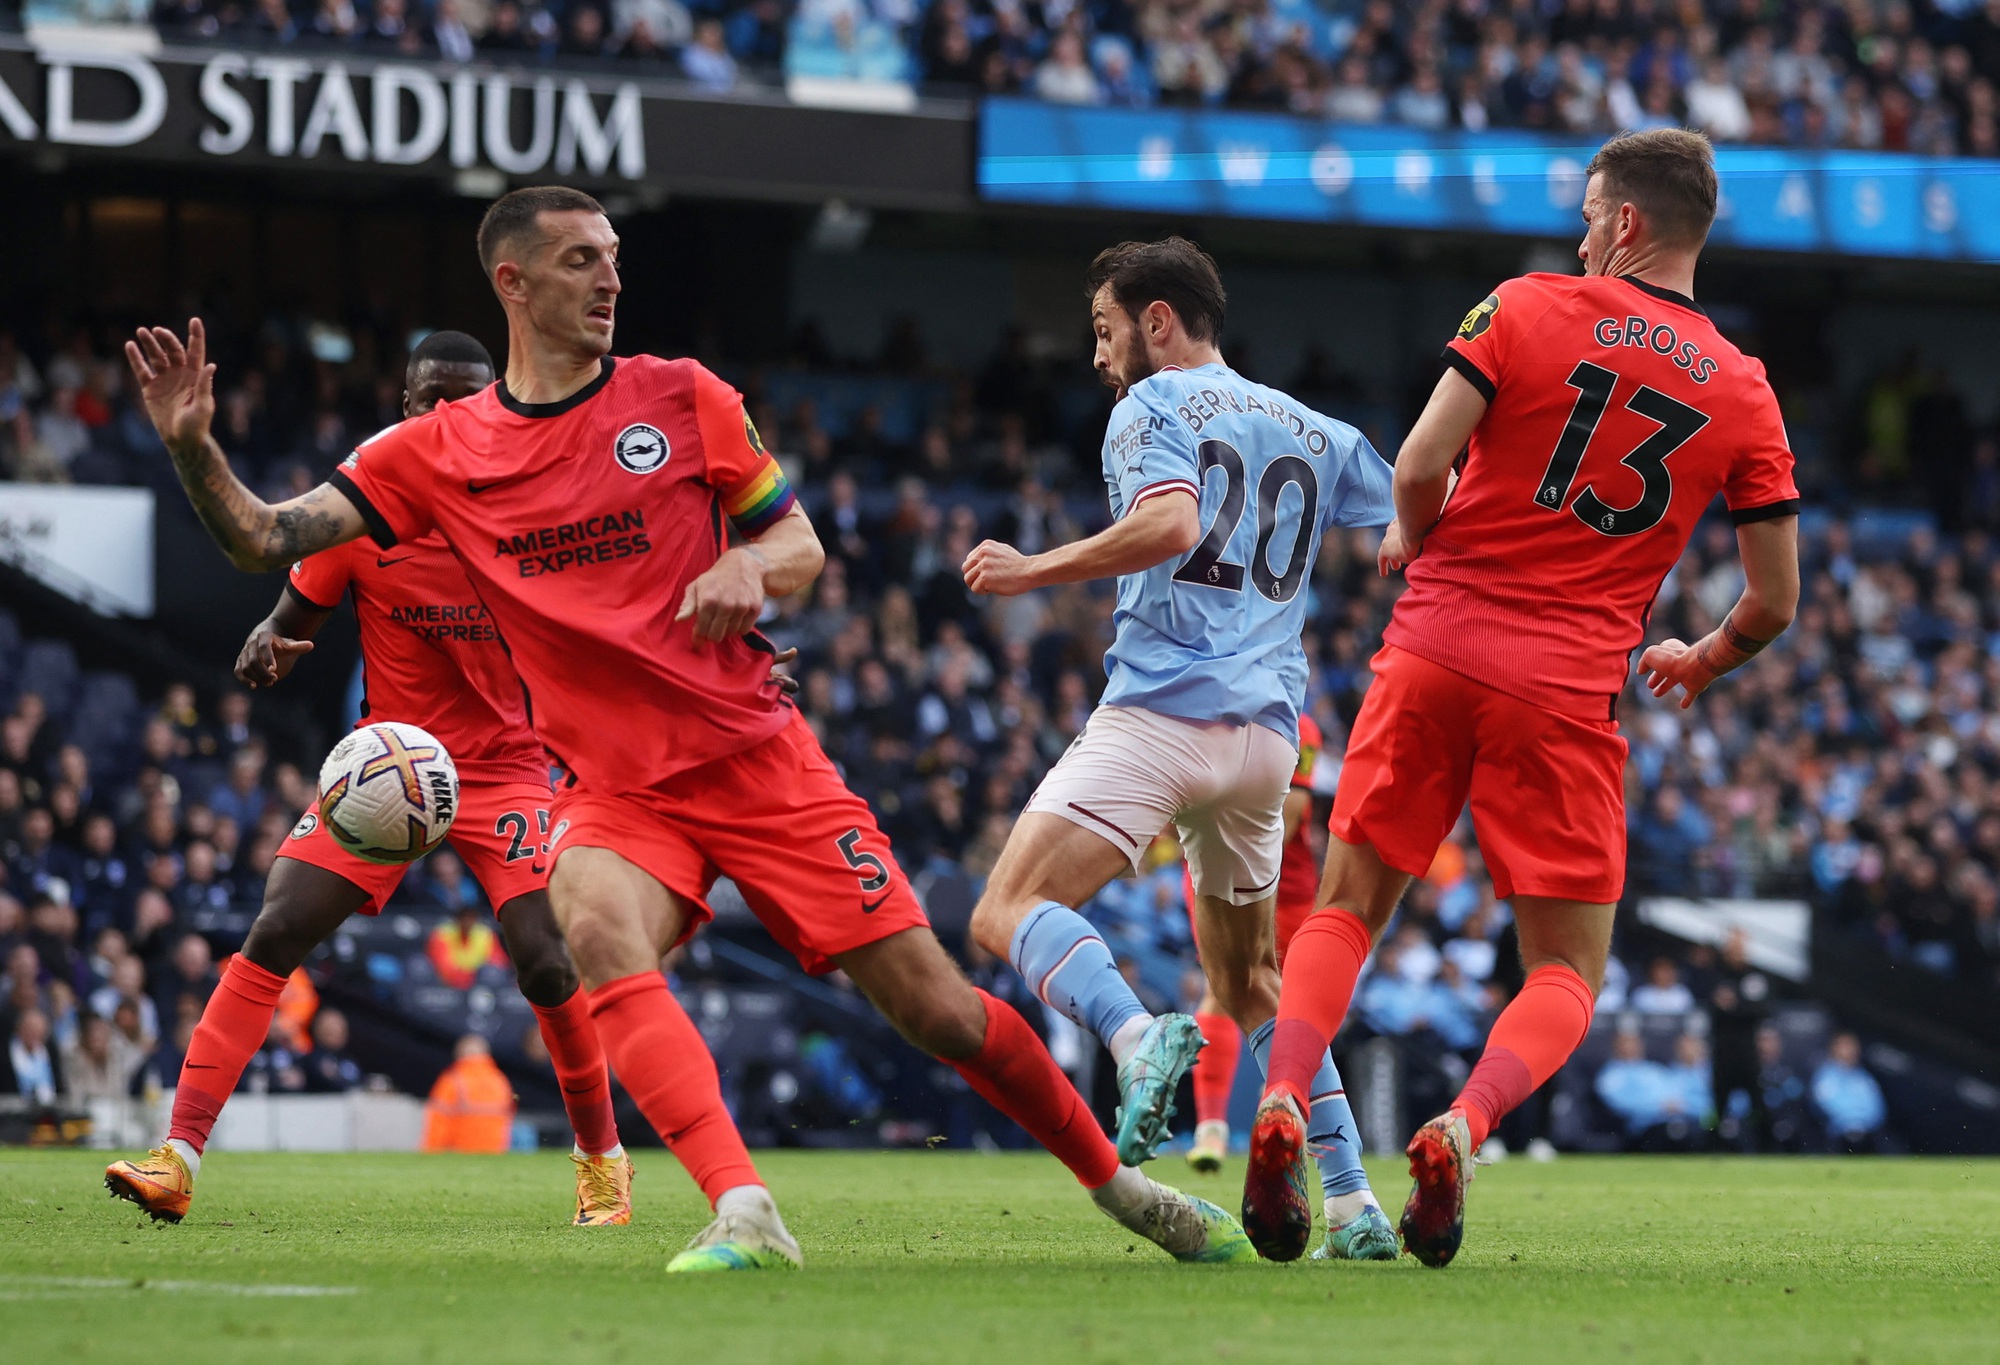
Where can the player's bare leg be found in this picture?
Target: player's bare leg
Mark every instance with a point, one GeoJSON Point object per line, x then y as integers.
{"type": "Point", "coordinates": [618, 920]}
{"type": "Point", "coordinates": [1027, 915]}
{"type": "Point", "coordinates": [303, 905]}
{"type": "Point", "coordinates": [919, 989]}
{"type": "Point", "coordinates": [547, 978]}
{"type": "Point", "coordinates": [1357, 896]}
{"type": "Point", "coordinates": [1239, 952]}
{"type": "Point", "coordinates": [1563, 947]}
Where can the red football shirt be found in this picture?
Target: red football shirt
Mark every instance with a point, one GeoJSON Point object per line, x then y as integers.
{"type": "Point", "coordinates": [1615, 413]}
{"type": "Point", "coordinates": [1298, 870]}
{"type": "Point", "coordinates": [429, 653]}
{"type": "Point", "coordinates": [580, 524]}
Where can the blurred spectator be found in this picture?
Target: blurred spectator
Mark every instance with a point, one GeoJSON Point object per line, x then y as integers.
{"type": "Point", "coordinates": [471, 1107]}
{"type": "Point", "coordinates": [1661, 1107]}
{"type": "Point", "coordinates": [100, 1065]}
{"type": "Point", "coordinates": [1065, 77]}
{"type": "Point", "coordinates": [446, 885]}
{"type": "Point", "coordinates": [298, 1006]}
{"type": "Point", "coordinates": [190, 975]}
{"type": "Point", "coordinates": [1786, 1122]}
{"type": "Point", "coordinates": [706, 60]}
{"type": "Point", "coordinates": [275, 1067]}
{"type": "Point", "coordinates": [1849, 1100]}
{"type": "Point", "coordinates": [33, 1070]}
{"type": "Point", "coordinates": [1737, 1003]}
{"type": "Point", "coordinates": [127, 985]}
{"type": "Point", "coordinates": [1663, 991]}
{"type": "Point", "coordinates": [459, 947]}
{"type": "Point", "coordinates": [329, 1068]}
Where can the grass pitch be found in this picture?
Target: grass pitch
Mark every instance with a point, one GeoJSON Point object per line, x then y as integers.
{"type": "Point", "coordinates": [942, 1257]}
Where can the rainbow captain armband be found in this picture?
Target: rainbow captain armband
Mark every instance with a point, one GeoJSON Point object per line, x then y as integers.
{"type": "Point", "coordinates": [761, 500]}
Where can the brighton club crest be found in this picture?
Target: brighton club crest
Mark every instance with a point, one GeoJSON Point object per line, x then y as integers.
{"type": "Point", "coordinates": [640, 449]}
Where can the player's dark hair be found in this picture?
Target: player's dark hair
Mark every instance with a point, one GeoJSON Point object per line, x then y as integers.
{"type": "Point", "coordinates": [1175, 272]}
{"type": "Point", "coordinates": [1669, 173]}
{"type": "Point", "coordinates": [449, 348]}
{"type": "Point", "coordinates": [513, 214]}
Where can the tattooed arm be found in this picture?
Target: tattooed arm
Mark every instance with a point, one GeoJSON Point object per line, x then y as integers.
{"type": "Point", "coordinates": [178, 386]}
{"type": "Point", "coordinates": [1770, 552]}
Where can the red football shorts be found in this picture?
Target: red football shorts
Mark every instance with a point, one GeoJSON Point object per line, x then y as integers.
{"type": "Point", "coordinates": [501, 833]}
{"type": "Point", "coordinates": [775, 819]}
{"type": "Point", "coordinates": [1547, 790]}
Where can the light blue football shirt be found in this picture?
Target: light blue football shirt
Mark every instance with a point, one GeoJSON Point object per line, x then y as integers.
{"type": "Point", "coordinates": [1214, 635]}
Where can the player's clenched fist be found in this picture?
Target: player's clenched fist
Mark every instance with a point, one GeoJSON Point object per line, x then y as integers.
{"type": "Point", "coordinates": [1675, 663]}
{"type": "Point", "coordinates": [728, 599]}
{"type": "Point", "coordinates": [998, 570]}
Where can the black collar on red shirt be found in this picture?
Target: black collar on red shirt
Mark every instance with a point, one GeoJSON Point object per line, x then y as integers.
{"type": "Point", "coordinates": [1669, 295]}
{"type": "Point", "coordinates": [561, 405]}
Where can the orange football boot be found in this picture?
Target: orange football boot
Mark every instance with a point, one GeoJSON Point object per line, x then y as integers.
{"type": "Point", "coordinates": [603, 1191]}
{"type": "Point", "coordinates": [162, 1185]}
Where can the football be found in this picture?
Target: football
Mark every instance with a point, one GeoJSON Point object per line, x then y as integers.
{"type": "Point", "coordinates": [388, 792]}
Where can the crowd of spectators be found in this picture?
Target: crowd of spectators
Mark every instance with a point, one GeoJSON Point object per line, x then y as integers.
{"type": "Point", "coordinates": [1915, 75]}
{"type": "Point", "coordinates": [1856, 763]}
{"type": "Point", "coordinates": [1893, 75]}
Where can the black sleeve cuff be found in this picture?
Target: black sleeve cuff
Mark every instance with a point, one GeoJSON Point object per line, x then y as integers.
{"type": "Point", "coordinates": [1770, 511]}
{"type": "Point", "coordinates": [378, 527]}
{"type": "Point", "coordinates": [1474, 376]}
{"type": "Point", "coordinates": [304, 601]}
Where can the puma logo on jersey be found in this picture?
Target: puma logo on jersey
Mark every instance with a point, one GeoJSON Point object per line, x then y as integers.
{"type": "Point", "coordinates": [640, 449]}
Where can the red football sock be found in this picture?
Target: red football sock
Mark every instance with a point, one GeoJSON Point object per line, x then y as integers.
{"type": "Point", "coordinates": [233, 1026]}
{"type": "Point", "coordinates": [1324, 962]}
{"type": "Point", "coordinates": [660, 1056]}
{"type": "Point", "coordinates": [1530, 1041]}
{"type": "Point", "coordinates": [1215, 1068]}
{"type": "Point", "coordinates": [1013, 1072]}
{"type": "Point", "coordinates": [579, 1061]}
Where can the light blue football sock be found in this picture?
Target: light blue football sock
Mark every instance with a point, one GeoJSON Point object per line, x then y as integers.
{"type": "Point", "coordinates": [1331, 1132]}
{"type": "Point", "coordinates": [1068, 965]}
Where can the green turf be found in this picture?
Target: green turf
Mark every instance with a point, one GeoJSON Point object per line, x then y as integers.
{"type": "Point", "coordinates": [943, 1257]}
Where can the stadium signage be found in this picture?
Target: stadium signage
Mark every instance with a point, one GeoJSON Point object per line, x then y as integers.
{"type": "Point", "coordinates": [115, 94]}
{"type": "Point", "coordinates": [1271, 166]}
{"type": "Point", "coordinates": [286, 106]}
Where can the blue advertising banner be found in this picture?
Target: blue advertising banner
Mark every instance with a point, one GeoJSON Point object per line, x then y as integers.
{"type": "Point", "coordinates": [1219, 162]}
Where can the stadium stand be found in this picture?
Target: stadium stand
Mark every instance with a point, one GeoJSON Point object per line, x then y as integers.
{"type": "Point", "coordinates": [1887, 74]}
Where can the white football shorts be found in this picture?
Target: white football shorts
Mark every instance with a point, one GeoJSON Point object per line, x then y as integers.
{"type": "Point", "coordinates": [1133, 771]}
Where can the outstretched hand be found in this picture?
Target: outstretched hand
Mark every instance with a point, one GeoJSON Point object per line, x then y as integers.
{"type": "Point", "coordinates": [176, 382]}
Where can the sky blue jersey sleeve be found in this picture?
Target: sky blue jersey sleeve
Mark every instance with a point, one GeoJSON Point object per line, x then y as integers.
{"type": "Point", "coordinates": [1361, 494]}
{"type": "Point", "coordinates": [1148, 450]}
